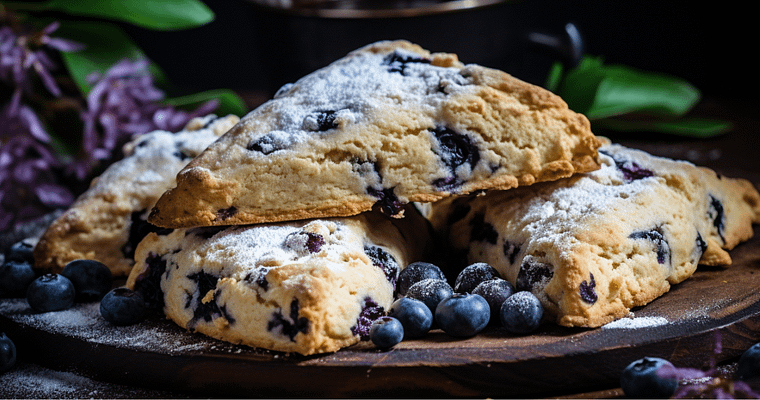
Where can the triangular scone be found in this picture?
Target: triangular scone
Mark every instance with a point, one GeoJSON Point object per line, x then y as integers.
{"type": "Point", "coordinates": [388, 124]}
{"type": "Point", "coordinates": [595, 245]}
{"type": "Point", "coordinates": [107, 221]}
{"type": "Point", "coordinates": [309, 287]}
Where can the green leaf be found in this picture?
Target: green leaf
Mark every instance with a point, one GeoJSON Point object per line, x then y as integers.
{"type": "Point", "coordinates": [162, 15]}
{"type": "Point", "coordinates": [692, 127]}
{"type": "Point", "coordinates": [230, 102]}
{"type": "Point", "coordinates": [601, 91]}
{"type": "Point", "coordinates": [106, 44]}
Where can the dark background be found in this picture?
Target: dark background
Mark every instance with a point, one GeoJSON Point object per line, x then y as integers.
{"type": "Point", "coordinates": [249, 48]}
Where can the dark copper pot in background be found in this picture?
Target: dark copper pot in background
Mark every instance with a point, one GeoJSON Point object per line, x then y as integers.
{"type": "Point", "coordinates": [305, 36]}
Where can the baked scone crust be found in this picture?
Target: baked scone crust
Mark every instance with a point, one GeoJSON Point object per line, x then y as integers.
{"type": "Point", "coordinates": [107, 221]}
{"type": "Point", "coordinates": [311, 286]}
{"type": "Point", "coordinates": [596, 245]}
{"type": "Point", "coordinates": [389, 124]}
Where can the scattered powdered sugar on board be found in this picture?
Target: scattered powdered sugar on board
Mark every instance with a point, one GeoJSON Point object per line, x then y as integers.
{"type": "Point", "coordinates": [83, 321]}
{"type": "Point", "coordinates": [636, 323]}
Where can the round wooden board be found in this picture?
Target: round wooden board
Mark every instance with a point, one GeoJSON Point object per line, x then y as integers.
{"type": "Point", "coordinates": [553, 361]}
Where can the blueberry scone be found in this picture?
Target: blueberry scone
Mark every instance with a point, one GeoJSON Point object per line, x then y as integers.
{"type": "Point", "coordinates": [595, 245]}
{"type": "Point", "coordinates": [308, 287]}
{"type": "Point", "coordinates": [107, 221]}
{"type": "Point", "coordinates": [386, 125]}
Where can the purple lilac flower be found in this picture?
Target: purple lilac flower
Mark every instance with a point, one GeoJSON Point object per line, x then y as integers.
{"type": "Point", "coordinates": [28, 187]}
{"type": "Point", "coordinates": [124, 103]}
{"type": "Point", "coordinates": [21, 54]}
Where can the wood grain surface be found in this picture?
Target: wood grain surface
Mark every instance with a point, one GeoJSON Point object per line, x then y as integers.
{"type": "Point", "coordinates": [553, 361]}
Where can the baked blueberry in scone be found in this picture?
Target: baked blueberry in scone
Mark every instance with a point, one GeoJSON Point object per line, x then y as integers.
{"type": "Point", "coordinates": [107, 221]}
{"type": "Point", "coordinates": [310, 286]}
{"type": "Point", "coordinates": [595, 245]}
{"type": "Point", "coordinates": [389, 124]}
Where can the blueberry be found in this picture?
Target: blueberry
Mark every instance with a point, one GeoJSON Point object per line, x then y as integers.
{"type": "Point", "coordinates": [416, 272]}
{"type": "Point", "coordinates": [22, 251]}
{"type": "Point", "coordinates": [463, 315]}
{"type": "Point", "coordinates": [472, 275]}
{"type": "Point", "coordinates": [430, 291]}
{"type": "Point", "coordinates": [290, 325]}
{"type": "Point", "coordinates": [91, 279]}
{"type": "Point", "coordinates": [631, 171]}
{"type": "Point", "coordinates": [749, 363]}
{"type": "Point", "coordinates": [50, 292]}
{"type": "Point", "coordinates": [640, 379]}
{"type": "Point", "coordinates": [587, 290]}
{"type": "Point", "coordinates": [139, 228]}
{"type": "Point", "coordinates": [122, 306]}
{"type": "Point", "coordinates": [385, 261]}
{"type": "Point", "coordinates": [386, 332]}
{"type": "Point", "coordinates": [414, 315]}
{"type": "Point", "coordinates": [521, 313]}
{"type": "Point", "coordinates": [717, 215]}
{"type": "Point", "coordinates": [655, 236]}
{"type": "Point", "coordinates": [387, 201]}
{"type": "Point", "coordinates": [370, 312]}
{"type": "Point", "coordinates": [482, 231]}
{"type": "Point", "coordinates": [15, 277]}
{"type": "Point", "coordinates": [7, 353]}
{"type": "Point", "coordinates": [533, 274]}
{"type": "Point", "coordinates": [495, 291]}
{"type": "Point", "coordinates": [455, 150]}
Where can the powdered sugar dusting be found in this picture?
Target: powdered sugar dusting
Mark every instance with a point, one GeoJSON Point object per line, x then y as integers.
{"type": "Point", "coordinates": [636, 323]}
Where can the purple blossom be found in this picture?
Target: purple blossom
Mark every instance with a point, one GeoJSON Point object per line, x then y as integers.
{"type": "Point", "coordinates": [28, 183]}
{"type": "Point", "coordinates": [20, 54]}
{"type": "Point", "coordinates": [124, 103]}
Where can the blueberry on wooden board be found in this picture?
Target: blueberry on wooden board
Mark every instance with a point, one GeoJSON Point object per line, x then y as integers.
{"type": "Point", "coordinates": [122, 306]}
{"type": "Point", "coordinates": [386, 332]}
{"type": "Point", "coordinates": [521, 313]}
{"type": "Point", "coordinates": [416, 272]}
{"type": "Point", "coordinates": [641, 380]}
{"type": "Point", "coordinates": [21, 251]}
{"type": "Point", "coordinates": [431, 292]}
{"type": "Point", "coordinates": [7, 353]}
{"type": "Point", "coordinates": [414, 315]}
{"type": "Point", "coordinates": [495, 291]}
{"type": "Point", "coordinates": [463, 315]}
{"type": "Point", "coordinates": [749, 363]}
{"type": "Point", "coordinates": [15, 277]}
{"type": "Point", "coordinates": [50, 292]}
{"type": "Point", "coordinates": [92, 279]}
{"type": "Point", "coordinates": [472, 275]}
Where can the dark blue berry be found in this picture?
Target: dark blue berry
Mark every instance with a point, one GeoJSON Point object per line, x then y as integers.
{"type": "Point", "coordinates": [641, 380]}
{"type": "Point", "coordinates": [326, 121]}
{"type": "Point", "coordinates": [533, 274]}
{"type": "Point", "coordinates": [386, 332]}
{"type": "Point", "coordinates": [92, 279]}
{"type": "Point", "coordinates": [291, 325]}
{"type": "Point", "coordinates": [370, 312]}
{"type": "Point", "coordinates": [206, 311]}
{"type": "Point", "coordinates": [7, 353]}
{"type": "Point", "coordinates": [631, 171]}
{"type": "Point", "coordinates": [266, 145]}
{"type": "Point", "coordinates": [511, 250]}
{"type": "Point", "coordinates": [15, 277]}
{"type": "Point", "coordinates": [430, 291]}
{"type": "Point", "coordinates": [397, 62]}
{"type": "Point", "coordinates": [50, 292]}
{"type": "Point", "coordinates": [416, 272]}
{"type": "Point", "coordinates": [122, 306]}
{"type": "Point", "coordinates": [661, 245]}
{"type": "Point", "coordinates": [139, 228]}
{"type": "Point", "coordinates": [148, 283]}
{"type": "Point", "coordinates": [385, 261]}
{"type": "Point", "coordinates": [472, 275]}
{"type": "Point", "coordinates": [22, 251]}
{"type": "Point", "coordinates": [455, 150]}
{"type": "Point", "coordinates": [521, 313]}
{"type": "Point", "coordinates": [717, 215]}
{"type": "Point", "coordinates": [414, 315]}
{"type": "Point", "coordinates": [482, 231]}
{"type": "Point", "coordinates": [463, 315]}
{"type": "Point", "coordinates": [387, 201]}
{"type": "Point", "coordinates": [749, 363]}
{"type": "Point", "coordinates": [495, 291]}
{"type": "Point", "coordinates": [588, 291]}
{"type": "Point", "coordinates": [311, 242]}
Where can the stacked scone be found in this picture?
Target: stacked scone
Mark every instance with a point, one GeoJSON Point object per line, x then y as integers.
{"type": "Point", "coordinates": [289, 231]}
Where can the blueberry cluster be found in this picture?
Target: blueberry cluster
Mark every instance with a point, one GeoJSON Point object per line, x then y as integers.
{"type": "Point", "coordinates": [479, 297]}
{"type": "Point", "coordinates": [80, 281]}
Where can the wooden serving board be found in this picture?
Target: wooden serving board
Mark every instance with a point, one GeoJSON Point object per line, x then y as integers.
{"type": "Point", "coordinates": [553, 361]}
